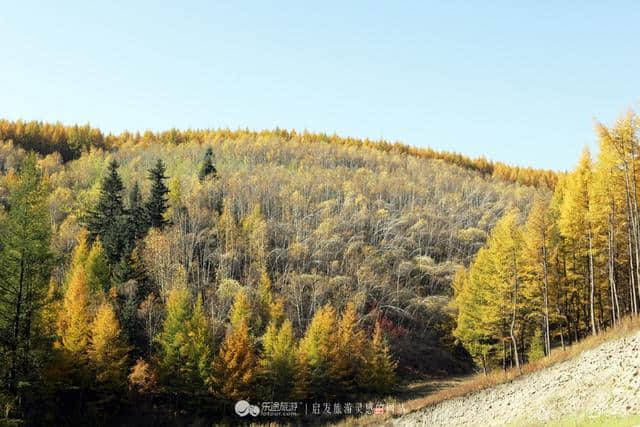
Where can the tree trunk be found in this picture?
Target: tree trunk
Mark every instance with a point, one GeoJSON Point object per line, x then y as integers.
{"type": "Point", "coordinates": [547, 338]}
{"type": "Point", "coordinates": [513, 317]}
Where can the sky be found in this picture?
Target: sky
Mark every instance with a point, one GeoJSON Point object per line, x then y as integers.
{"type": "Point", "coordinates": [519, 82]}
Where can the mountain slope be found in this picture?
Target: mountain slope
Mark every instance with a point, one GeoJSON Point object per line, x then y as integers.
{"type": "Point", "coordinates": [601, 381]}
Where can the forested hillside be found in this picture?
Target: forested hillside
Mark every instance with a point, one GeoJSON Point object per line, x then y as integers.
{"type": "Point", "coordinates": [216, 265]}
{"type": "Point", "coordinates": [568, 269]}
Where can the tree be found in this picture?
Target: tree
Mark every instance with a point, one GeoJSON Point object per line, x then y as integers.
{"type": "Point", "coordinates": [277, 365]}
{"type": "Point", "coordinates": [378, 373]}
{"type": "Point", "coordinates": [349, 348]}
{"type": "Point", "coordinates": [317, 347]}
{"type": "Point", "coordinates": [98, 270]}
{"type": "Point", "coordinates": [109, 208]}
{"type": "Point", "coordinates": [174, 335]}
{"type": "Point", "coordinates": [142, 378]}
{"type": "Point", "coordinates": [234, 368]}
{"type": "Point", "coordinates": [576, 227]}
{"type": "Point", "coordinates": [157, 204]}
{"type": "Point", "coordinates": [138, 220]}
{"type": "Point", "coordinates": [207, 168]}
{"type": "Point", "coordinates": [536, 350]}
{"type": "Point", "coordinates": [107, 351]}
{"type": "Point", "coordinates": [241, 310]}
{"type": "Point", "coordinates": [73, 323]}
{"type": "Point", "coordinates": [25, 264]}
{"type": "Point", "coordinates": [196, 351]}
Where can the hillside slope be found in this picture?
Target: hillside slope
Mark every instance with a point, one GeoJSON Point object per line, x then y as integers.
{"type": "Point", "coordinates": [604, 380]}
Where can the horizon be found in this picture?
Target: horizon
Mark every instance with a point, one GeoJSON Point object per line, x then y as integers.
{"type": "Point", "coordinates": [517, 85]}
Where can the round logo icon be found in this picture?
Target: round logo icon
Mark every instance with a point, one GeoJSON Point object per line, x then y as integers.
{"type": "Point", "coordinates": [243, 408]}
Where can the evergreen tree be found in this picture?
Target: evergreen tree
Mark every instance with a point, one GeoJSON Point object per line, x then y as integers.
{"type": "Point", "coordinates": [207, 168]}
{"type": "Point", "coordinates": [157, 204]}
{"type": "Point", "coordinates": [107, 351]}
{"type": "Point", "coordinates": [25, 264]}
{"type": "Point", "coordinates": [109, 208]}
{"type": "Point", "coordinates": [138, 220]}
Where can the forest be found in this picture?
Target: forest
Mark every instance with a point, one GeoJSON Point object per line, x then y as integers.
{"type": "Point", "coordinates": [171, 274]}
{"type": "Point", "coordinates": [568, 268]}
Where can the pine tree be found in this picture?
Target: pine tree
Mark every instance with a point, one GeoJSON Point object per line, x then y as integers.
{"type": "Point", "coordinates": [109, 208]}
{"type": "Point", "coordinates": [107, 351]}
{"type": "Point", "coordinates": [235, 367]}
{"type": "Point", "coordinates": [138, 220]}
{"type": "Point", "coordinates": [317, 347]}
{"type": "Point", "coordinates": [207, 168]}
{"type": "Point", "coordinates": [25, 264]}
{"type": "Point", "coordinates": [157, 204]}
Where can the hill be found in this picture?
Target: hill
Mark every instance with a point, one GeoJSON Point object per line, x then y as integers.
{"type": "Point", "coordinates": [333, 219]}
{"type": "Point", "coordinates": [600, 384]}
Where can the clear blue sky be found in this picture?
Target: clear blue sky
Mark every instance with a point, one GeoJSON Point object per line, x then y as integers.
{"type": "Point", "coordinates": [521, 84]}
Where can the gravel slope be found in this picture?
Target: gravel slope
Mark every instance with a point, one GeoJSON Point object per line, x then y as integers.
{"type": "Point", "coordinates": [604, 380]}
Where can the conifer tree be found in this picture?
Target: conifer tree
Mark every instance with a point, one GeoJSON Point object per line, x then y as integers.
{"type": "Point", "coordinates": [349, 347]}
{"type": "Point", "coordinates": [107, 351]}
{"type": "Point", "coordinates": [98, 270]}
{"type": "Point", "coordinates": [207, 168]}
{"type": "Point", "coordinates": [25, 264]}
{"type": "Point", "coordinates": [378, 373]}
{"type": "Point", "coordinates": [174, 335]}
{"type": "Point", "coordinates": [576, 227]}
{"type": "Point", "coordinates": [234, 369]}
{"type": "Point", "coordinates": [265, 302]}
{"type": "Point", "coordinates": [277, 365]}
{"type": "Point", "coordinates": [196, 351]}
{"type": "Point", "coordinates": [317, 347]}
{"type": "Point", "coordinates": [73, 323]}
{"type": "Point", "coordinates": [109, 208]}
{"type": "Point", "coordinates": [138, 221]}
{"type": "Point", "coordinates": [241, 310]}
{"type": "Point", "coordinates": [536, 350]}
{"type": "Point", "coordinates": [156, 206]}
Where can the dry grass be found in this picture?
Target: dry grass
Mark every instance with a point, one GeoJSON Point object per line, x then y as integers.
{"type": "Point", "coordinates": [480, 381]}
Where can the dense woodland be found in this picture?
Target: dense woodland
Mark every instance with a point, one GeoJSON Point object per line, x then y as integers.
{"type": "Point", "coordinates": [186, 270]}
{"type": "Point", "coordinates": [567, 269]}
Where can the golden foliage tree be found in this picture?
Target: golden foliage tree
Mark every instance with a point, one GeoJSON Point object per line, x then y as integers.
{"type": "Point", "coordinates": [107, 351]}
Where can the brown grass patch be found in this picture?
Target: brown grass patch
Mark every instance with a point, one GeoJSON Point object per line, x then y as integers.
{"type": "Point", "coordinates": [480, 381]}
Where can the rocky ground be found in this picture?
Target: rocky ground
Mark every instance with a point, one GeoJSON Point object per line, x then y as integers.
{"type": "Point", "coordinates": [604, 380]}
